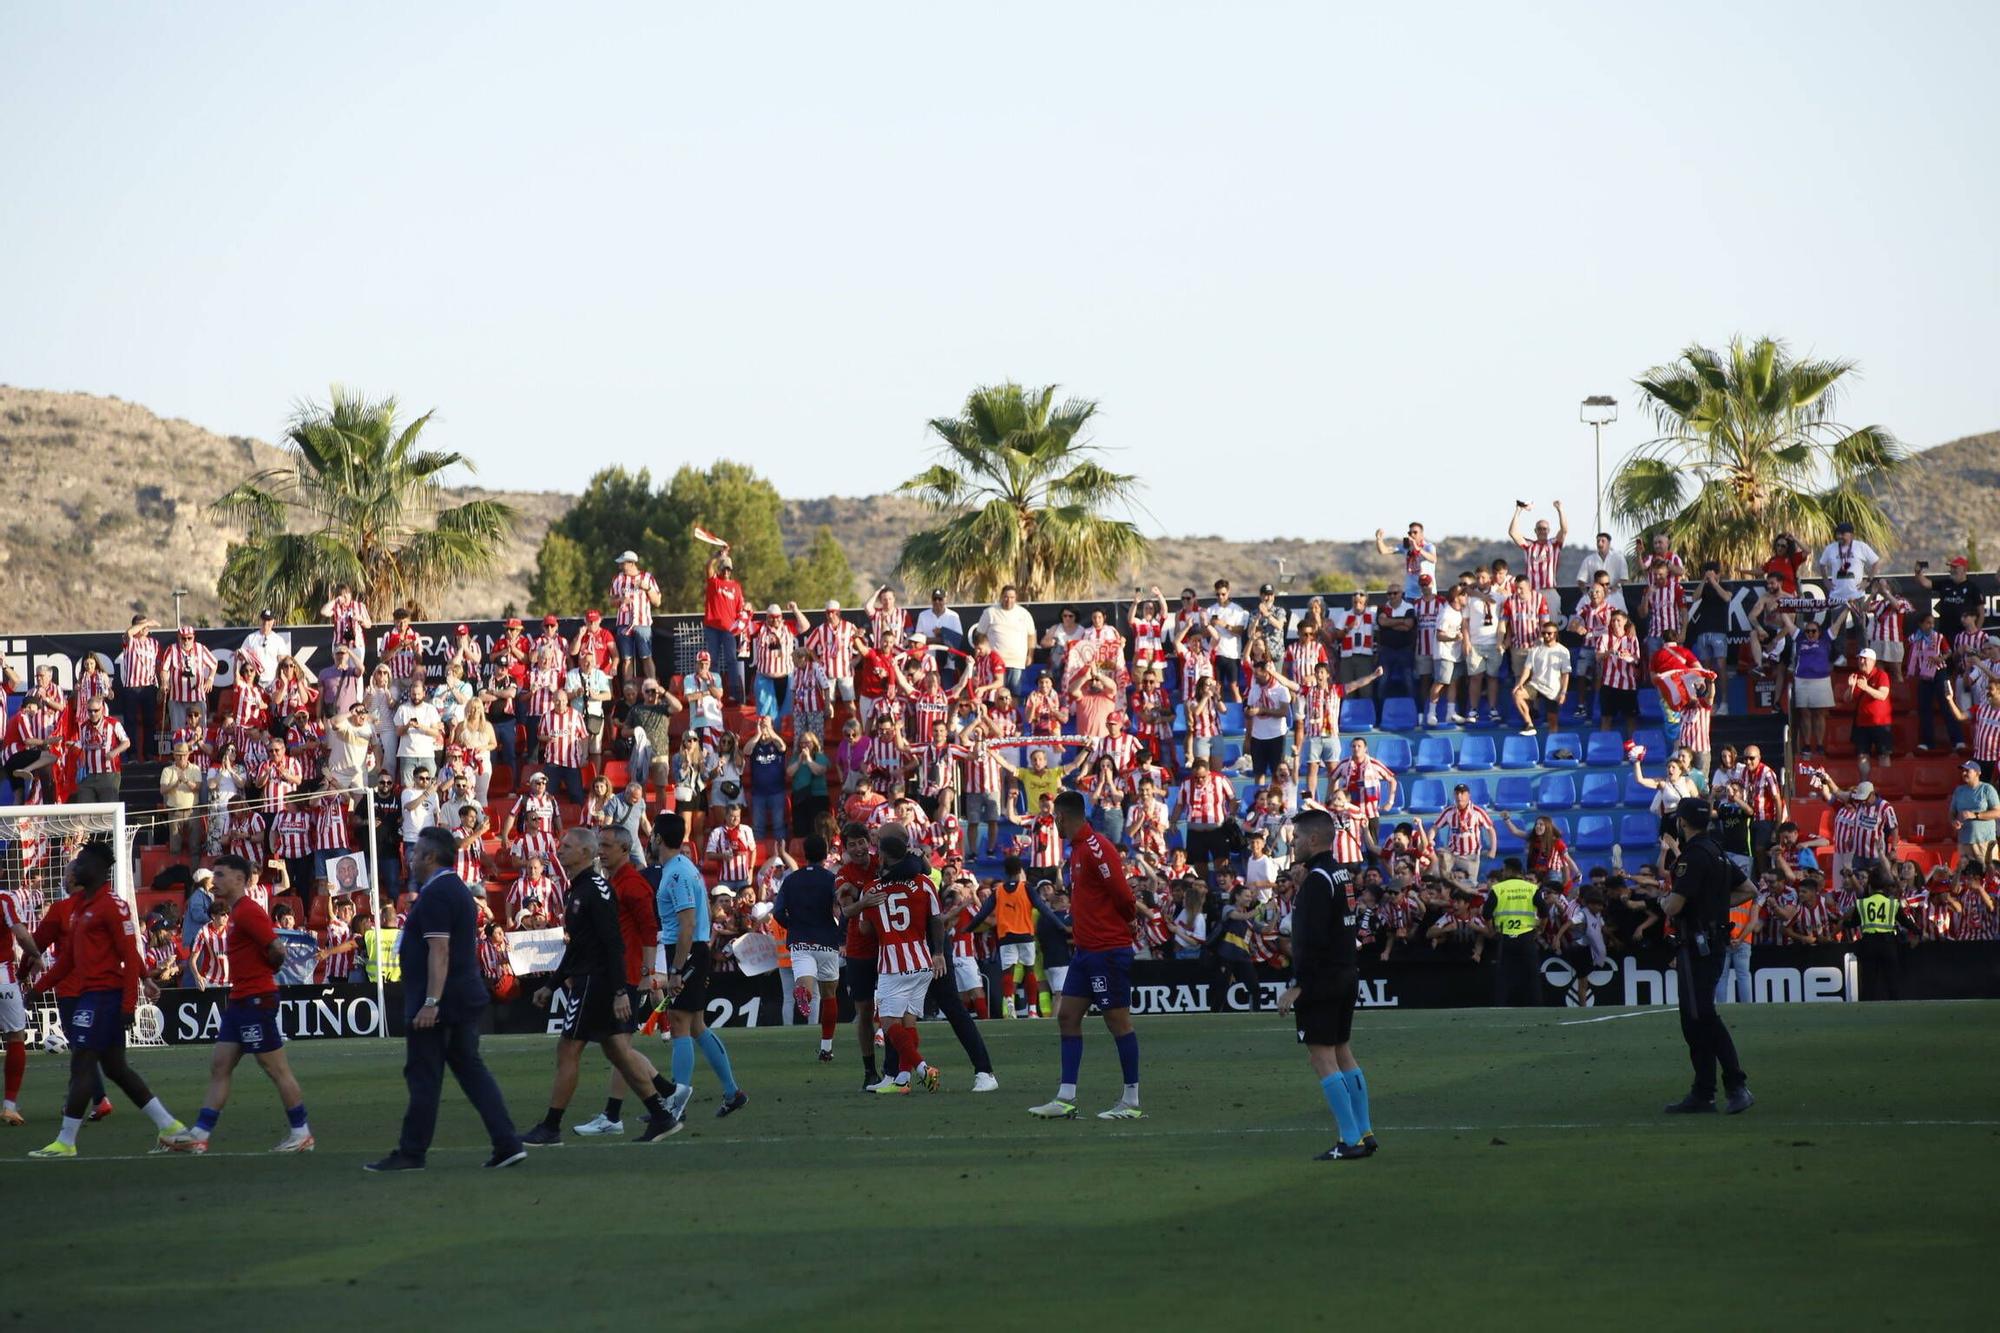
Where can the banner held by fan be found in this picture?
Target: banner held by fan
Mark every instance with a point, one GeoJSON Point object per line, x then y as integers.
{"type": "Point", "coordinates": [702, 534]}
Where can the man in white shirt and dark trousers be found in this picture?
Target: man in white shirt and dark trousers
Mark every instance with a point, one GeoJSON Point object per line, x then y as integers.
{"type": "Point", "coordinates": [1010, 631]}
{"type": "Point", "coordinates": [267, 644]}
{"type": "Point", "coordinates": [1268, 710]}
{"type": "Point", "coordinates": [1229, 621]}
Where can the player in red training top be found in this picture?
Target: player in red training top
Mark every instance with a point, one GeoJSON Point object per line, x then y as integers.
{"type": "Point", "coordinates": [18, 958]}
{"type": "Point", "coordinates": [250, 1019]}
{"type": "Point", "coordinates": [98, 957]}
{"type": "Point", "coordinates": [1102, 908]}
{"type": "Point", "coordinates": [911, 950]}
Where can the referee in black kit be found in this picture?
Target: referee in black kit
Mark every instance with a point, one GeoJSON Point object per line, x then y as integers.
{"type": "Point", "coordinates": [1706, 885]}
{"type": "Point", "coordinates": [1326, 978]}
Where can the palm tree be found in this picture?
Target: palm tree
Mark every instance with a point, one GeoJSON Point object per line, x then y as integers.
{"type": "Point", "coordinates": [359, 503]}
{"type": "Point", "coordinates": [1022, 497]}
{"type": "Point", "coordinates": [1748, 448]}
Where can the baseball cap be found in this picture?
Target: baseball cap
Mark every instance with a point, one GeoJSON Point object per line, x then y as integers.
{"type": "Point", "coordinates": [832, 605]}
{"type": "Point", "coordinates": [920, 637]}
{"type": "Point", "coordinates": [702, 656]}
{"type": "Point", "coordinates": [464, 629]}
{"type": "Point", "coordinates": [623, 556]}
{"type": "Point", "coordinates": [266, 614]}
{"type": "Point", "coordinates": [541, 778]}
{"type": "Point", "coordinates": [1862, 791]}
{"type": "Point", "coordinates": [722, 891]}
{"type": "Point", "coordinates": [1868, 653]}
{"type": "Point", "coordinates": [1972, 764]}
{"type": "Point", "coordinates": [937, 594]}
{"type": "Point", "coordinates": [550, 620]}
{"type": "Point", "coordinates": [1843, 526]}
{"type": "Point", "coordinates": [1958, 560]}
{"type": "Point", "coordinates": [203, 875]}
{"type": "Point", "coordinates": [1264, 588]}
{"type": "Point", "coordinates": [1425, 578]}
{"type": "Point", "coordinates": [513, 622]}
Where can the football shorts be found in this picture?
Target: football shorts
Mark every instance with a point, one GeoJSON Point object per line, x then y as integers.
{"type": "Point", "coordinates": [1018, 955]}
{"type": "Point", "coordinates": [900, 993]}
{"type": "Point", "coordinates": [13, 1011]}
{"type": "Point", "coordinates": [94, 1020]}
{"type": "Point", "coordinates": [1329, 1021]}
{"type": "Point", "coordinates": [252, 1024]}
{"type": "Point", "coordinates": [693, 995]}
{"type": "Point", "coordinates": [965, 975]}
{"type": "Point", "coordinates": [590, 1016]}
{"type": "Point", "coordinates": [1056, 977]}
{"type": "Point", "coordinates": [813, 962]}
{"type": "Point", "coordinates": [858, 977]}
{"type": "Point", "coordinates": [1102, 976]}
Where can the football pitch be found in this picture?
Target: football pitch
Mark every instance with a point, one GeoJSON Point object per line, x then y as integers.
{"type": "Point", "coordinates": [1526, 1179]}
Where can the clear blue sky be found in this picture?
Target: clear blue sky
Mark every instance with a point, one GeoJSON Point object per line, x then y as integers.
{"type": "Point", "coordinates": [1372, 252]}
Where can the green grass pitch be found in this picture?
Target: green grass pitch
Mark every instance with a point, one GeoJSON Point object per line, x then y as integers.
{"type": "Point", "coordinates": [1527, 1180]}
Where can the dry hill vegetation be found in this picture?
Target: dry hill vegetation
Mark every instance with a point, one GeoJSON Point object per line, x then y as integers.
{"type": "Point", "coordinates": [109, 507]}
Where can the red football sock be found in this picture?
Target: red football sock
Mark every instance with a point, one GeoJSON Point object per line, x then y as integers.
{"type": "Point", "coordinates": [905, 1040]}
{"type": "Point", "coordinates": [17, 1065]}
{"type": "Point", "coordinates": [1034, 992]}
{"type": "Point", "coordinates": [829, 1018]}
{"type": "Point", "coordinates": [979, 1007]}
{"type": "Point", "coordinates": [1007, 984]}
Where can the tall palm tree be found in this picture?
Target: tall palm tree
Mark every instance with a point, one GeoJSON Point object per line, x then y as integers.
{"type": "Point", "coordinates": [358, 502]}
{"type": "Point", "coordinates": [1747, 448]}
{"type": "Point", "coordinates": [1022, 499]}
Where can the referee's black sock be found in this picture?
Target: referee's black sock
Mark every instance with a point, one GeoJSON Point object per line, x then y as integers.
{"type": "Point", "coordinates": [614, 1108]}
{"type": "Point", "coordinates": [553, 1120]}
{"type": "Point", "coordinates": [664, 1085]}
{"type": "Point", "coordinates": [868, 1063]}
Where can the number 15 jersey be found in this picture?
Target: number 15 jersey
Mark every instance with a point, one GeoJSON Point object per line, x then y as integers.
{"type": "Point", "coordinates": [902, 925]}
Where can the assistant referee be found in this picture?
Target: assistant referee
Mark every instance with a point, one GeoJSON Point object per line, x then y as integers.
{"type": "Point", "coordinates": [1326, 977]}
{"type": "Point", "coordinates": [1706, 884]}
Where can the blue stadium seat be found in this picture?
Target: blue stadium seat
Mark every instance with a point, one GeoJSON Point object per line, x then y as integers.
{"type": "Point", "coordinates": [1481, 794]}
{"type": "Point", "coordinates": [1604, 749]}
{"type": "Point", "coordinates": [1394, 801]}
{"type": "Point", "coordinates": [1600, 792]}
{"type": "Point", "coordinates": [1031, 676]}
{"type": "Point", "coordinates": [1593, 833]}
{"type": "Point", "coordinates": [1655, 741]}
{"type": "Point", "coordinates": [1506, 841]}
{"type": "Point", "coordinates": [1399, 714]}
{"type": "Point", "coordinates": [1231, 723]}
{"type": "Point", "coordinates": [1393, 751]}
{"type": "Point", "coordinates": [1434, 754]}
{"type": "Point", "coordinates": [1357, 714]}
{"type": "Point", "coordinates": [1638, 833]}
{"type": "Point", "coordinates": [1635, 794]}
{"type": "Point", "coordinates": [1514, 793]}
{"type": "Point", "coordinates": [1180, 718]}
{"type": "Point", "coordinates": [1650, 708]}
{"type": "Point", "coordinates": [1562, 828]}
{"type": "Point", "coordinates": [1426, 796]}
{"type": "Point", "coordinates": [1562, 742]}
{"type": "Point", "coordinates": [1227, 750]}
{"type": "Point", "coordinates": [1476, 752]}
{"type": "Point", "coordinates": [1520, 752]}
{"type": "Point", "coordinates": [1557, 791]}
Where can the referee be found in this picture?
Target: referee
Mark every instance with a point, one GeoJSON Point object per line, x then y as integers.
{"type": "Point", "coordinates": [1325, 978]}
{"type": "Point", "coordinates": [1707, 882]}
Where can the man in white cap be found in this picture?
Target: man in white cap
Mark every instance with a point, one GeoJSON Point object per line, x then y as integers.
{"type": "Point", "coordinates": [635, 593]}
{"type": "Point", "coordinates": [1868, 687]}
{"type": "Point", "coordinates": [833, 643]}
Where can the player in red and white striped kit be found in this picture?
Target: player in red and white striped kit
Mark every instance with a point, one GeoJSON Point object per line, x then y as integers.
{"type": "Point", "coordinates": [18, 955]}
{"type": "Point", "coordinates": [1469, 835]}
{"type": "Point", "coordinates": [1543, 550]}
{"type": "Point", "coordinates": [911, 951]}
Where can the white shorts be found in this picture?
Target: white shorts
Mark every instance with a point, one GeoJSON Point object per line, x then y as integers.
{"type": "Point", "coordinates": [1057, 975]}
{"type": "Point", "coordinates": [1816, 692]}
{"type": "Point", "coordinates": [13, 1013]}
{"type": "Point", "coordinates": [1887, 650]}
{"type": "Point", "coordinates": [1017, 955]}
{"type": "Point", "coordinates": [811, 962]}
{"type": "Point", "coordinates": [900, 993]}
{"type": "Point", "coordinates": [1446, 669]}
{"type": "Point", "coordinates": [965, 975]}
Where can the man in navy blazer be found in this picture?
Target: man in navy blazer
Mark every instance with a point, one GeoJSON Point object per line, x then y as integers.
{"type": "Point", "coordinates": [443, 997]}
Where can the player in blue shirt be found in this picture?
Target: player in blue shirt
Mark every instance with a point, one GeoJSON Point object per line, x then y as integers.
{"type": "Point", "coordinates": [685, 930]}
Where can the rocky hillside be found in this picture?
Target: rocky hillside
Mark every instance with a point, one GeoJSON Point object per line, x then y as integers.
{"type": "Point", "coordinates": [1946, 503]}
{"type": "Point", "coordinates": [107, 511]}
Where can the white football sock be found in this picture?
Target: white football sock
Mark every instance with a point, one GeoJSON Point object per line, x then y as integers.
{"type": "Point", "coordinates": [158, 1114]}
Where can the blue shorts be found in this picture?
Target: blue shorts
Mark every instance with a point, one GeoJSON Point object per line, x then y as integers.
{"type": "Point", "coordinates": [252, 1024]}
{"type": "Point", "coordinates": [1711, 647]}
{"type": "Point", "coordinates": [1102, 976]}
{"type": "Point", "coordinates": [94, 1020]}
{"type": "Point", "coordinates": [635, 642]}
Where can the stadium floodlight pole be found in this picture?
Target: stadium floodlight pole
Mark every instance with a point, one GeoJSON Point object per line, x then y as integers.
{"type": "Point", "coordinates": [375, 919]}
{"type": "Point", "coordinates": [1598, 411]}
{"type": "Point", "coordinates": [178, 594]}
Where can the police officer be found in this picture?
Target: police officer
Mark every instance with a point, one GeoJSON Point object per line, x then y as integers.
{"type": "Point", "coordinates": [1511, 906]}
{"type": "Point", "coordinates": [1706, 883]}
{"type": "Point", "coordinates": [1879, 912]}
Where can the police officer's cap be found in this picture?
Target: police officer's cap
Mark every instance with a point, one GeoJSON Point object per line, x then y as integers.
{"type": "Point", "coordinates": [1694, 809]}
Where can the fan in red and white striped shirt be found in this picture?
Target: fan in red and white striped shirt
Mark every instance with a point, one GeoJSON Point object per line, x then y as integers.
{"type": "Point", "coordinates": [735, 846]}
{"type": "Point", "coordinates": [1544, 549]}
{"type": "Point", "coordinates": [209, 954]}
{"type": "Point", "coordinates": [1207, 798]}
{"type": "Point", "coordinates": [1865, 828]}
{"type": "Point", "coordinates": [1466, 827]}
{"type": "Point", "coordinates": [101, 740]}
{"type": "Point", "coordinates": [564, 734]}
{"type": "Point", "coordinates": [291, 834]}
{"type": "Point", "coordinates": [329, 816]}
{"type": "Point", "coordinates": [1351, 839]}
{"type": "Point", "coordinates": [337, 966]}
{"type": "Point", "coordinates": [1618, 659]}
{"type": "Point", "coordinates": [187, 669]}
{"type": "Point", "coordinates": [1664, 604]}
{"type": "Point", "coordinates": [1362, 776]}
{"type": "Point", "coordinates": [534, 901]}
{"type": "Point", "coordinates": [139, 659]}
{"type": "Point", "coordinates": [278, 776]}
{"type": "Point", "coordinates": [832, 642]}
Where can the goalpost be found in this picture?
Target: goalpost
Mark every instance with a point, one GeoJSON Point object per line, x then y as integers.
{"type": "Point", "coordinates": [37, 844]}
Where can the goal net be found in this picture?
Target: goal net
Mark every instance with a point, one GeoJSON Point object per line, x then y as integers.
{"type": "Point", "coordinates": [37, 845]}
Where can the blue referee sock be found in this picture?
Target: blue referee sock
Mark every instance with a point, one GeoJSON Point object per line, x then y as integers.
{"type": "Point", "coordinates": [1335, 1088]}
{"type": "Point", "coordinates": [1072, 1058]}
{"type": "Point", "coordinates": [1357, 1092]}
{"type": "Point", "coordinates": [297, 1115]}
{"type": "Point", "coordinates": [205, 1122]}
{"type": "Point", "coordinates": [684, 1061]}
{"type": "Point", "coordinates": [718, 1059]}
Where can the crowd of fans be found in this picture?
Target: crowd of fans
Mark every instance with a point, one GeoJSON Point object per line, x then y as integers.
{"type": "Point", "coordinates": [782, 726]}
